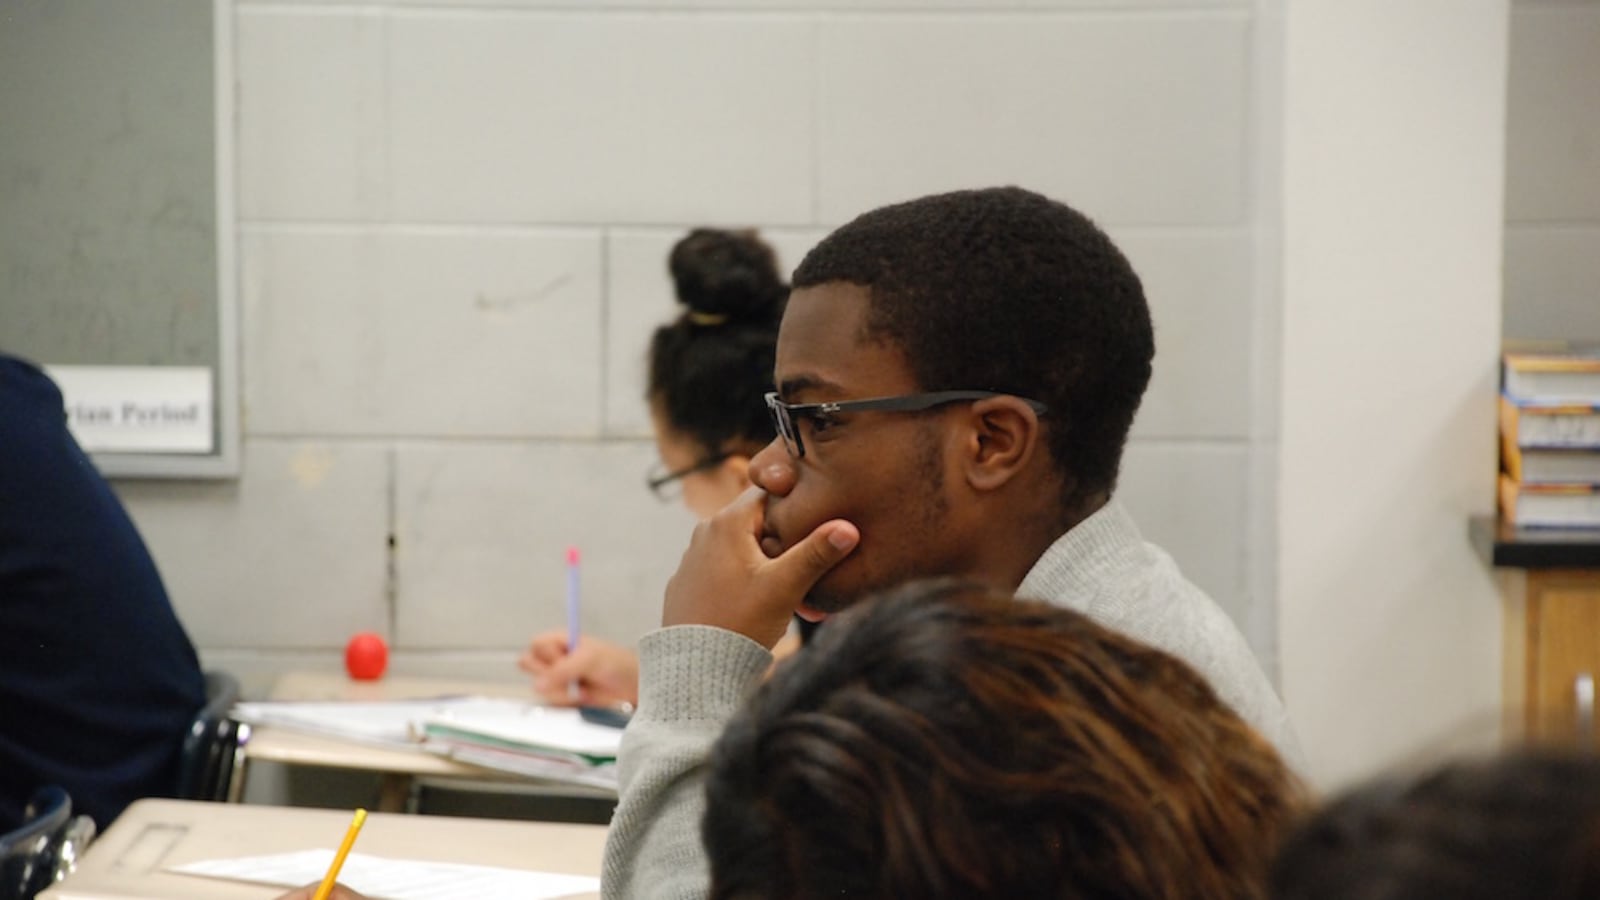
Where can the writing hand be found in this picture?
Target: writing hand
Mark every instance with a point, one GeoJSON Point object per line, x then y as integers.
{"type": "Point", "coordinates": [605, 673]}
{"type": "Point", "coordinates": [726, 581]}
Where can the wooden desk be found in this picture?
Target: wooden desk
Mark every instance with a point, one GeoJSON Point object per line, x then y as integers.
{"type": "Point", "coordinates": [126, 862]}
{"type": "Point", "coordinates": [313, 686]}
{"type": "Point", "coordinates": [1550, 583]}
{"type": "Point", "coordinates": [399, 768]}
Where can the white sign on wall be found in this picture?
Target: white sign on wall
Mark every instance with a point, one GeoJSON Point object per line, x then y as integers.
{"type": "Point", "coordinates": [142, 409]}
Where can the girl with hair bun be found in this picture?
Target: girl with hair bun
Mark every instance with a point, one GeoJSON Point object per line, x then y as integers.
{"type": "Point", "coordinates": [709, 368]}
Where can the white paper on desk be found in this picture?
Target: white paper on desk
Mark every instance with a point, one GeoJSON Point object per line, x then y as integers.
{"type": "Point", "coordinates": [396, 879]}
{"type": "Point", "coordinates": [527, 726]}
{"type": "Point", "coordinates": [390, 723]}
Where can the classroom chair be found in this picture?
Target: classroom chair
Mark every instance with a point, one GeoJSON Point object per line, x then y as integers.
{"type": "Point", "coordinates": [45, 848]}
{"type": "Point", "coordinates": [213, 749]}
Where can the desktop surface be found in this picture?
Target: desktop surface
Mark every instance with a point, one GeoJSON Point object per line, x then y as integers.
{"type": "Point", "coordinates": [317, 686]}
{"type": "Point", "coordinates": [1502, 544]}
{"type": "Point", "coordinates": [128, 862]}
{"type": "Point", "coordinates": [400, 767]}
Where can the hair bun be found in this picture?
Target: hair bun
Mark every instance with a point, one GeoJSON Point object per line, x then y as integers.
{"type": "Point", "coordinates": [727, 276]}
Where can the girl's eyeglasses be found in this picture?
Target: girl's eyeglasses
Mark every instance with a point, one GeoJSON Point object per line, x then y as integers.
{"type": "Point", "coordinates": [668, 485]}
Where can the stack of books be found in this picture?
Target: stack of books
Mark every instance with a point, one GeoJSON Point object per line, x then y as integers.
{"type": "Point", "coordinates": [527, 739]}
{"type": "Point", "coordinates": [507, 735]}
{"type": "Point", "coordinates": [1550, 436]}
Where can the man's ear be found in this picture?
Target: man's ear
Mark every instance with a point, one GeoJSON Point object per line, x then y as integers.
{"type": "Point", "coordinates": [1005, 437]}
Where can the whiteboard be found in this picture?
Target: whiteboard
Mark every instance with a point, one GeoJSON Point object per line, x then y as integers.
{"type": "Point", "coordinates": [116, 200]}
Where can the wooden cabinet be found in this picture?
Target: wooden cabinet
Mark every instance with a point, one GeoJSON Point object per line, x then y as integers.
{"type": "Point", "coordinates": [1553, 653]}
{"type": "Point", "coordinates": [1550, 581]}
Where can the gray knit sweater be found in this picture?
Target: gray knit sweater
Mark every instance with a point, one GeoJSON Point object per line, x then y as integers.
{"type": "Point", "coordinates": [692, 678]}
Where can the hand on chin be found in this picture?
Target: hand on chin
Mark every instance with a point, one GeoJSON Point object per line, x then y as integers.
{"type": "Point", "coordinates": [730, 578]}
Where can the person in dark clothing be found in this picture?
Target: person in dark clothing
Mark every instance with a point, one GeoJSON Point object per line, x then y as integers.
{"type": "Point", "coordinates": [98, 680]}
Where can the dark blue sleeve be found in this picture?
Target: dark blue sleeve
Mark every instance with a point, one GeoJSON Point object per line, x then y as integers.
{"type": "Point", "coordinates": [98, 680]}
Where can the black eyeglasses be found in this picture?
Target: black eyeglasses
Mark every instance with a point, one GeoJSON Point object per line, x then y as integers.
{"type": "Point", "coordinates": [668, 485]}
{"type": "Point", "coordinates": [785, 414]}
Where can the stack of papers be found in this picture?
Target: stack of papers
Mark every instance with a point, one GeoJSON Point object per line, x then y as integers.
{"type": "Point", "coordinates": [528, 739]}
{"type": "Point", "coordinates": [390, 723]}
{"type": "Point", "coordinates": [502, 734]}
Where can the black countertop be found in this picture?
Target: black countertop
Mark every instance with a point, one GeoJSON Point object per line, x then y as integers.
{"type": "Point", "coordinates": [1501, 544]}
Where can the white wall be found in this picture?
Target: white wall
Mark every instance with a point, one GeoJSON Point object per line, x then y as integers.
{"type": "Point", "coordinates": [1552, 241]}
{"type": "Point", "coordinates": [1393, 160]}
{"type": "Point", "coordinates": [453, 221]}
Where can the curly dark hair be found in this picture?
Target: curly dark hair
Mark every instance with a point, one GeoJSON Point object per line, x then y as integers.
{"type": "Point", "coordinates": [1003, 289]}
{"type": "Point", "coordinates": [1516, 827]}
{"type": "Point", "coordinates": [710, 366]}
{"type": "Point", "coordinates": [948, 741]}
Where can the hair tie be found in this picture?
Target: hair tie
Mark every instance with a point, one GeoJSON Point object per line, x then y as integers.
{"type": "Point", "coordinates": [704, 318]}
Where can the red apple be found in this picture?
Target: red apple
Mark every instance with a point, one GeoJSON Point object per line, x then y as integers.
{"type": "Point", "coordinates": [366, 656]}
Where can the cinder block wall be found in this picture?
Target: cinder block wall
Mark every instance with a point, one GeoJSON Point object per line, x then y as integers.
{"type": "Point", "coordinates": [453, 222]}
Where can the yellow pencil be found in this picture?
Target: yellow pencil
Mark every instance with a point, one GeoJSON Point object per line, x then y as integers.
{"type": "Point", "coordinates": [326, 887]}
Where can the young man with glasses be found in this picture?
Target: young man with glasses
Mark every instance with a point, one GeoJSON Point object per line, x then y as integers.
{"type": "Point", "coordinates": [956, 377]}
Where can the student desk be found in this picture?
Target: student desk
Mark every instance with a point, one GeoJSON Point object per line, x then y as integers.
{"type": "Point", "coordinates": [399, 768]}
{"type": "Point", "coordinates": [127, 861]}
{"type": "Point", "coordinates": [311, 686]}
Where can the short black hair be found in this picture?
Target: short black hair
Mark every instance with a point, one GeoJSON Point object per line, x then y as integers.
{"type": "Point", "coordinates": [1007, 290]}
{"type": "Point", "coordinates": [710, 366]}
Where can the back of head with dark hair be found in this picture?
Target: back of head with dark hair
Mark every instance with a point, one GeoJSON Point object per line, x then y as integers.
{"type": "Point", "coordinates": [947, 741]}
{"type": "Point", "coordinates": [1003, 289]}
{"type": "Point", "coordinates": [710, 366]}
{"type": "Point", "coordinates": [1521, 827]}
